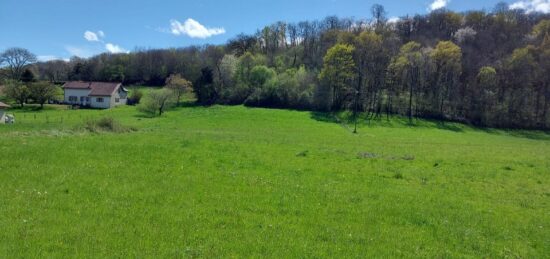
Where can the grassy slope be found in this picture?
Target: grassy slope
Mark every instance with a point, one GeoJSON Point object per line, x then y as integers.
{"type": "Point", "coordinates": [227, 181]}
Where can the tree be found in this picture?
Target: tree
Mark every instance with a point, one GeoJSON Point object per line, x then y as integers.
{"type": "Point", "coordinates": [135, 97]}
{"type": "Point", "coordinates": [41, 92]}
{"type": "Point", "coordinates": [484, 95]}
{"type": "Point", "coordinates": [339, 72]}
{"type": "Point", "coordinates": [27, 76]}
{"type": "Point", "coordinates": [447, 57]}
{"type": "Point", "coordinates": [17, 90]}
{"type": "Point", "coordinates": [156, 102]}
{"type": "Point", "coordinates": [520, 73]}
{"type": "Point", "coordinates": [17, 59]}
{"type": "Point", "coordinates": [178, 85]}
{"type": "Point", "coordinates": [406, 69]}
{"type": "Point", "coordinates": [379, 16]}
{"type": "Point", "coordinates": [371, 61]}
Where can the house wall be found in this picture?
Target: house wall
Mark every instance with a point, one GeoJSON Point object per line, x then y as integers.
{"type": "Point", "coordinates": [76, 92]}
{"type": "Point", "coordinates": [108, 101]}
{"type": "Point", "coordinates": [121, 95]}
{"type": "Point", "coordinates": [106, 104]}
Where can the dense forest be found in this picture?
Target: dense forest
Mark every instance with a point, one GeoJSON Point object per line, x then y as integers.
{"type": "Point", "coordinates": [483, 68]}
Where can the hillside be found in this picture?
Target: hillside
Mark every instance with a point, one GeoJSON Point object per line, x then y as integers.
{"type": "Point", "coordinates": [239, 182]}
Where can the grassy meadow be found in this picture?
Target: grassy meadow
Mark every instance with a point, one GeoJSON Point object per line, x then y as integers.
{"type": "Point", "coordinates": [230, 181]}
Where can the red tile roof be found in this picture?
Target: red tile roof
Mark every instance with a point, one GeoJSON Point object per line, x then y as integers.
{"type": "Point", "coordinates": [3, 105]}
{"type": "Point", "coordinates": [96, 88]}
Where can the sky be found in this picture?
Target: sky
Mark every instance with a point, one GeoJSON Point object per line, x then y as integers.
{"type": "Point", "coordinates": [59, 29]}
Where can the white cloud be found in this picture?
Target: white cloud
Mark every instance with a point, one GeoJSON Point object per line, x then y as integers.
{"type": "Point", "coordinates": [394, 20]}
{"type": "Point", "coordinates": [90, 36]}
{"type": "Point", "coordinates": [530, 6]}
{"type": "Point", "coordinates": [46, 58]}
{"type": "Point", "coordinates": [112, 48]}
{"type": "Point", "coordinates": [438, 4]}
{"type": "Point", "coordinates": [94, 36]}
{"type": "Point", "coordinates": [194, 29]}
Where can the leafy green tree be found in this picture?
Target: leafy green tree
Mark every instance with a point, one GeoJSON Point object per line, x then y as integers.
{"type": "Point", "coordinates": [28, 76]}
{"type": "Point", "coordinates": [447, 58]}
{"type": "Point", "coordinates": [156, 102]}
{"type": "Point", "coordinates": [371, 62]}
{"type": "Point", "coordinates": [484, 96]}
{"type": "Point", "coordinates": [42, 91]}
{"type": "Point", "coordinates": [339, 72]}
{"type": "Point", "coordinates": [260, 75]}
{"type": "Point", "coordinates": [406, 70]}
{"type": "Point", "coordinates": [520, 71]}
{"type": "Point", "coordinates": [17, 90]}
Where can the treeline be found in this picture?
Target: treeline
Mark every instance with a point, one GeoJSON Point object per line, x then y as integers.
{"type": "Point", "coordinates": [485, 68]}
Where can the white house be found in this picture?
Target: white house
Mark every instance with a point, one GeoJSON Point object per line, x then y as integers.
{"type": "Point", "coordinates": [95, 94]}
{"type": "Point", "coordinates": [3, 108]}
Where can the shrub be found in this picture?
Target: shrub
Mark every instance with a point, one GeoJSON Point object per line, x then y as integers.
{"type": "Point", "coordinates": [135, 97]}
{"type": "Point", "coordinates": [106, 124]}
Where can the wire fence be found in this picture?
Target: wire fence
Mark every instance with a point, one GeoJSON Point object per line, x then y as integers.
{"type": "Point", "coordinates": [58, 117]}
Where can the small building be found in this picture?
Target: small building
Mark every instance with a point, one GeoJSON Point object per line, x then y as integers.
{"type": "Point", "coordinates": [3, 108]}
{"type": "Point", "coordinates": [95, 94]}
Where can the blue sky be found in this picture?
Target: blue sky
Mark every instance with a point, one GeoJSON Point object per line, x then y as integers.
{"type": "Point", "coordinates": [63, 28]}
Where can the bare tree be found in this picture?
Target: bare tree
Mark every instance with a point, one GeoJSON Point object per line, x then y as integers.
{"type": "Point", "coordinates": [378, 15]}
{"type": "Point", "coordinates": [16, 59]}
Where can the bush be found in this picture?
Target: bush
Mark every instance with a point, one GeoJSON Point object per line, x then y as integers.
{"type": "Point", "coordinates": [135, 97]}
{"type": "Point", "coordinates": [106, 124]}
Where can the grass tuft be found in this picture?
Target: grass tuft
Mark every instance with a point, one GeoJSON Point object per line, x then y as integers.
{"type": "Point", "coordinates": [106, 124]}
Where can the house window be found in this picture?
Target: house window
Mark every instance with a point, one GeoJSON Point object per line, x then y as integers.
{"type": "Point", "coordinates": [87, 99]}
{"type": "Point", "coordinates": [99, 100]}
{"type": "Point", "coordinates": [117, 100]}
{"type": "Point", "coordinates": [82, 99]}
{"type": "Point", "coordinates": [73, 99]}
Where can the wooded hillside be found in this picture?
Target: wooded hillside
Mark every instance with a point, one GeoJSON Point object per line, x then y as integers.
{"type": "Point", "coordinates": [485, 68]}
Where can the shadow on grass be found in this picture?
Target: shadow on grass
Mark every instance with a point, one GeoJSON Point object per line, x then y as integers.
{"type": "Point", "coordinates": [449, 126]}
{"type": "Point", "coordinates": [403, 122]}
{"type": "Point", "coordinates": [324, 117]}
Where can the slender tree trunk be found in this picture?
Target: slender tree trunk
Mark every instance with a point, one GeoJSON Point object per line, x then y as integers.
{"type": "Point", "coordinates": [546, 101]}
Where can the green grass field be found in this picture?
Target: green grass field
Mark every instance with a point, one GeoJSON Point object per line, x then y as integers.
{"type": "Point", "coordinates": [239, 182]}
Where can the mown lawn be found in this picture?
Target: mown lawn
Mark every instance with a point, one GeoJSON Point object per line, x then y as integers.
{"type": "Point", "coordinates": [239, 182]}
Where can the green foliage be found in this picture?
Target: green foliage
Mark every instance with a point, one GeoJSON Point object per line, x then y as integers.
{"type": "Point", "coordinates": [135, 96]}
{"type": "Point", "coordinates": [17, 91]}
{"type": "Point", "coordinates": [542, 29]}
{"type": "Point", "coordinates": [43, 91]}
{"type": "Point", "coordinates": [28, 76]}
{"type": "Point", "coordinates": [339, 72]}
{"type": "Point", "coordinates": [259, 75]}
{"type": "Point", "coordinates": [157, 102]}
{"type": "Point", "coordinates": [292, 88]}
{"type": "Point", "coordinates": [447, 58]}
{"type": "Point", "coordinates": [179, 86]}
{"type": "Point", "coordinates": [429, 75]}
